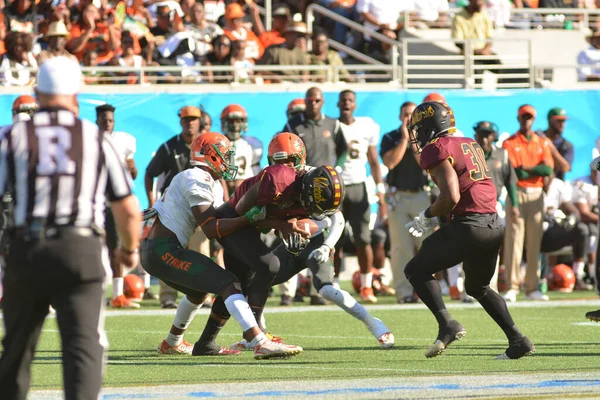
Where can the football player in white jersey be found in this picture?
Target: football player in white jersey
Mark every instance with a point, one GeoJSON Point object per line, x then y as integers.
{"type": "Point", "coordinates": [362, 136]}
{"type": "Point", "coordinates": [125, 145]}
{"type": "Point", "coordinates": [234, 124]}
{"type": "Point", "coordinates": [190, 201]}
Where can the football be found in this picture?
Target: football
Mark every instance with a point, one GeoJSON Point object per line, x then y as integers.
{"type": "Point", "coordinates": [306, 224]}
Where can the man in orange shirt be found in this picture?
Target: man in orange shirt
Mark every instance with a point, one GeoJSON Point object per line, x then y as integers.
{"type": "Point", "coordinates": [235, 30]}
{"type": "Point", "coordinates": [281, 18]}
{"type": "Point", "coordinates": [531, 157]}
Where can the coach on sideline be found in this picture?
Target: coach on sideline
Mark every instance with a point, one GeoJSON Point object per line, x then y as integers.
{"type": "Point", "coordinates": [59, 169]}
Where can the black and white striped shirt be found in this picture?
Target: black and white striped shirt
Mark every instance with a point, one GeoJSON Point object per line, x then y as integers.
{"type": "Point", "coordinates": [60, 169]}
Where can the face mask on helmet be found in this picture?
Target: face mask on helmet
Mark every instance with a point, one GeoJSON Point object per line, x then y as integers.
{"type": "Point", "coordinates": [214, 151]}
{"type": "Point", "coordinates": [429, 121]}
{"type": "Point", "coordinates": [234, 126]}
{"type": "Point", "coordinates": [322, 192]}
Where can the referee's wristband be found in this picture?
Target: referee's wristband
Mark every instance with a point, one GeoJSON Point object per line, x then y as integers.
{"type": "Point", "coordinates": [129, 252]}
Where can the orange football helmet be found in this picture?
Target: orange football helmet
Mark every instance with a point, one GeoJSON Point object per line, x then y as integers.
{"type": "Point", "coordinates": [296, 106]}
{"type": "Point", "coordinates": [234, 121]}
{"type": "Point", "coordinates": [24, 104]}
{"type": "Point", "coordinates": [214, 151]}
{"type": "Point", "coordinates": [133, 287]}
{"type": "Point", "coordinates": [561, 278]}
{"type": "Point", "coordinates": [377, 289]}
{"type": "Point", "coordinates": [433, 96]}
{"type": "Point", "coordinates": [287, 147]}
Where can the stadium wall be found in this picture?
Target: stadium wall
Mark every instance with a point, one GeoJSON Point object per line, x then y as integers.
{"type": "Point", "coordinates": [152, 117]}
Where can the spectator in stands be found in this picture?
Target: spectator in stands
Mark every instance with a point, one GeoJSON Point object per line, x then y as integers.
{"type": "Point", "coordinates": [562, 150]}
{"type": "Point", "coordinates": [281, 19]}
{"type": "Point", "coordinates": [433, 12]}
{"type": "Point", "coordinates": [220, 55]}
{"type": "Point", "coordinates": [381, 16]}
{"type": "Point", "coordinates": [21, 16]}
{"type": "Point", "coordinates": [243, 66]}
{"type": "Point", "coordinates": [128, 58]}
{"type": "Point", "coordinates": [214, 9]}
{"type": "Point", "coordinates": [235, 30]}
{"type": "Point", "coordinates": [499, 12]}
{"type": "Point", "coordinates": [19, 59]}
{"type": "Point", "coordinates": [345, 8]}
{"type": "Point", "coordinates": [203, 32]}
{"type": "Point", "coordinates": [585, 198]}
{"type": "Point", "coordinates": [472, 22]}
{"type": "Point", "coordinates": [531, 157]}
{"type": "Point", "coordinates": [321, 55]}
{"type": "Point", "coordinates": [322, 135]}
{"type": "Point", "coordinates": [292, 52]}
{"type": "Point", "coordinates": [56, 37]}
{"type": "Point", "coordinates": [140, 13]}
{"type": "Point", "coordinates": [90, 32]}
{"type": "Point", "coordinates": [559, 3]}
{"type": "Point", "coordinates": [406, 198]}
{"type": "Point", "coordinates": [590, 58]}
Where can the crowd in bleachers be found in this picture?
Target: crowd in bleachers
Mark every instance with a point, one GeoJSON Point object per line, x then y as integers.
{"type": "Point", "coordinates": [232, 34]}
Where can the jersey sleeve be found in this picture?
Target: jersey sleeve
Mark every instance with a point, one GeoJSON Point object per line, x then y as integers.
{"type": "Point", "coordinates": [433, 154]}
{"type": "Point", "coordinates": [118, 185]}
{"type": "Point", "coordinates": [197, 189]}
{"type": "Point", "coordinates": [375, 129]}
{"type": "Point", "coordinates": [579, 194]}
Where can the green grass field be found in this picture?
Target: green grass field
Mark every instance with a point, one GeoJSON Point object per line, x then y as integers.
{"type": "Point", "coordinates": [337, 347]}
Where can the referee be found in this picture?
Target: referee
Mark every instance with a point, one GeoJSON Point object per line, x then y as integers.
{"type": "Point", "coordinates": [59, 169]}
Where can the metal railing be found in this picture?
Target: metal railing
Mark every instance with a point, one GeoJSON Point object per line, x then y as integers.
{"type": "Point", "coordinates": [395, 45]}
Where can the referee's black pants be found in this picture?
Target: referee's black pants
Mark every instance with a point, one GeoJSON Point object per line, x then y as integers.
{"type": "Point", "coordinates": [67, 272]}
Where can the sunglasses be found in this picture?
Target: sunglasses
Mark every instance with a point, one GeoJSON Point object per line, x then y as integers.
{"type": "Point", "coordinates": [313, 100]}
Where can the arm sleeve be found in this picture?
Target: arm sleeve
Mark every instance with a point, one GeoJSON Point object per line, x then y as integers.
{"type": "Point", "coordinates": [158, 164]}
{"type": "Point", "coordinates": [336, 230]}
{"type": "Point", "coordinates": [386, 145]}
{"type": "Point", "coordinates": [541, 170]}
{"type": "Point", "coordinates": [118, 185]}
{"type": "Point", "coordinates": [197, 191]}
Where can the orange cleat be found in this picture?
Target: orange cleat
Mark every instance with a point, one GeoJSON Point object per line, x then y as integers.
{"type": "Point", "coordinates": [123, 302]}
{"type": "Point", "coordinates": [367, 295]}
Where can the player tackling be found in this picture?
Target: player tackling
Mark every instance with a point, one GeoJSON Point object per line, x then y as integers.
{"type": "Point", "coordinates": [473, 232]}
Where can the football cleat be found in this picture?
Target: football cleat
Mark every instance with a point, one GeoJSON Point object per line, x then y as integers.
{"type": "Point", "coordinates": [150, 295]}
{"type": "Point", "coordinates": [593, 315]}
{"type": "Point", "coordinates": [123, 302]}
{"type": "Point", "coordinates": [241, 345]}
{"type": "Point", "coordinates": [381, 333]}
{"type": "Point", "coordinates": [273, 338]}
{"type": "Point", "coordinates": [212, 349]}
{"type": "Point", "coordinates": [454, 293]}
{"type": "Point", "coordinates": [271, 349]}
{"type": "Point", "coordinates": [367, 295]}
{"type": "Point", "coordinates": [521, 348]}
{"type": "Point", "coordinates": [451, 332]}
{"type": "Point", "coordinates": [184, 347]}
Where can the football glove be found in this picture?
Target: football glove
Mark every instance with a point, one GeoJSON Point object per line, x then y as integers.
{"type": "Point", "coordinates": [295, 243]}
{"type": "Point", "coordinates": [321, 254]}
{"type": "Point", "coordinates": [422, 225]}
{"type": "Point", "coordinates": [595, 164]}
{"type": "Point", "coordinates": [256, 214]}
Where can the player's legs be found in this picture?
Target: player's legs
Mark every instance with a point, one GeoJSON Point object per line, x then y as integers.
{"type": "Point", "coordinates": [533, 237]}
{"type": "Point", "coordinates": [444, 248]}
{"type": "Point", "coordinates": [24, 311]}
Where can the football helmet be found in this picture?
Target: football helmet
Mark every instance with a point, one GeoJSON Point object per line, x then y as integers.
{"type": "Point", "coordinates": [24, 104]}
{"type": "Point", "coordinates": [429, 121]}
{"type": "Point", "coordinates": [287, 147]}
{"type": "Point", "coordinates": [296, 106]}
{"type": "Point", "coordinates": [561, 278]}
{"type": "Point", "coordinates": [322, 192]}
{"type": "Point", "coordinates": [232, 114]}
{"type": "Point", "coordinates": [214, 151]}
{"type": "Point", "coordinates": [434, 96]}
{"type": "Point", "coordinates": [133, 287]}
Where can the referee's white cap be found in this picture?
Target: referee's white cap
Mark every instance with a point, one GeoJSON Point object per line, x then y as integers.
{"type": "Point", "coordinates": [59, 76]}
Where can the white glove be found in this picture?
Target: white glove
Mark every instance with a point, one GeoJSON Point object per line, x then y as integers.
{"type": "Point", "coordinates": [321, 254]}
{"type": "Point", "coordinates": [595, 164]}
{"type": "Point", "coordinates": [295, 243]}
{"type": "Point", "coordinates": [422, 225]}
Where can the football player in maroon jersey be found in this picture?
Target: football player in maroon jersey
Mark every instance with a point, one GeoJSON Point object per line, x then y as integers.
{"type": "Point", "coordinates": [472, 234]}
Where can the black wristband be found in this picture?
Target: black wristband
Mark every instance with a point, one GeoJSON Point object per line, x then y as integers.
{"type": "Point", "coordinates": [427, 213]}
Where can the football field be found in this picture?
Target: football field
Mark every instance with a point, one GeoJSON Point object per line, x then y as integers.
{"type": "Point", "coordinates": [342, 360]}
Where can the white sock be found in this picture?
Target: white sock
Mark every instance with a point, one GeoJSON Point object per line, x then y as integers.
{"type": "Point", "coordinates": [240, 310]}
{"type": "Point", "coordinates": [117, 287]}
{"type": "Point", "coordinates": [453, 275]}
{"type": "Point", "coordinates": [174, 340]}
{"type": "Point", "coordinates": [366, 280]}
{"type": "Point", "coordinates": [261, 338]}
{"type": "Point", "coordinates": [345, 302]}
{"type": "Point", "coordinates": [263, 321]}
{"type": "Point", "coordinates": [146, 281]}
{"type": "Point", "coordinates": [186, 310]}
{"type": "Point", "coordinates": [336, 282]}
{"type": "Point", "coordinates": [578, 269]}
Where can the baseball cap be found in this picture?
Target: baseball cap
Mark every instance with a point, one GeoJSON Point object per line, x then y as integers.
{"type": "Point", "coordinates": [527, 109]}
{"type": "Point", "coordinates": [189, 111]}
{"type": "Point", "coordinates": [233, 11]}
{"type": "Point", "coordinates": [59, 76]}
{"type": "Point", "coordinates": [434, 97]}
{"type": "Point", "coordinates": [558, 113]}
{"type": "Point", "coordinates": [282, 11]}
{"type": "Point", "coordinates": [485, 126]}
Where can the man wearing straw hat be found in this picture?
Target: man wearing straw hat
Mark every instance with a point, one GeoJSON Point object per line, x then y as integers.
{"type": "Point", "coordinates": [56, 37]}
{"type": "Point", "coordinates": [591, 58]}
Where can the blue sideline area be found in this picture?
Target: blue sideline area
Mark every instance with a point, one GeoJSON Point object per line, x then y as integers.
{"type": "Point", "coordinates": [152, 117]}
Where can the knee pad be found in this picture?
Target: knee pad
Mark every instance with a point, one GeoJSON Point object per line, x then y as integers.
{"type": "Point", "coordinates": [410, 269]}
{"type": "Point", "coordinates": [476, 291]}
{"type": "Point", "coordinates": [219, 309]}
{"type": "Point", "coordinates": [272, 263]}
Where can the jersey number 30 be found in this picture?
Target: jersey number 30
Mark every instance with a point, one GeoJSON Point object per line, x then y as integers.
{"type": "Point", "coordinates": [480, 169]}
